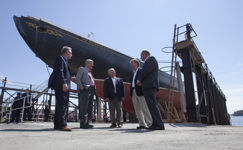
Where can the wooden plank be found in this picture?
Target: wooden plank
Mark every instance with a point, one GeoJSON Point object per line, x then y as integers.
{"type": "Point", "coordinates": [176, 114]}
{"type": "Point", "coordinates": [183, 116]}
{"type": "Point", "coordinates": [183, 44]}
{"type": "Point", "coordinates": [166, 107]}
{"type": "Point", "coordinates": [195, 53]}
{"type": "Point", "coordinates": [161, 108]}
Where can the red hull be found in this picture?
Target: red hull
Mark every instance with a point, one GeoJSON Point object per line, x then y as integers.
{"type": "Point", "coordinates": [127, 104]}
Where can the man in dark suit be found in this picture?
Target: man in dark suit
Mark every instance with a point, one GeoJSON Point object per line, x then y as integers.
{"type": "Point", "coordinates": [139, 102]}
{"type": "Point", "coordinates": [17, 104]}
{"type": "Point", "coordinates": [114, 93]}
{"type": "Point", "coordinates": [148, 79]}
{"type": "Point", "coordinates": [61, 85]}
{"type": "Point", "coordinates": [86, 90]}
{"type": "Point", "coordinates": [27, 103]}
{"type": "Point", "coordinates": [47, 112]}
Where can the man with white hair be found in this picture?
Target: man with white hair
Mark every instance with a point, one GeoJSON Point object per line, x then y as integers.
{"type": "Point", "coordinates": [114, 93]}
{"type": "Point", "coordinates": [86, 90]}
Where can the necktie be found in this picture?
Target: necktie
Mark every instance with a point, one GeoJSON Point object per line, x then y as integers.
{"type": "Point", "coordinates": [92, 79]}
{"type": "Point", "coordinates": [27, 98]}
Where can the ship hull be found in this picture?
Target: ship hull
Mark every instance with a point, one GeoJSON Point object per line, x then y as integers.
{"type": "Point", "coordinates": [46, 41]}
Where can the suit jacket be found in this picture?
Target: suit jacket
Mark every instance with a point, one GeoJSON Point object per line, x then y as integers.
{"type": "Point", "coordinates": [138, 89]}
{"type": "Point", "coordinates": [108, 89]}
{"type": "Point", "coordinates": [62, 73]}
{"type": "Point", "coordinates": [17, 104]}
{"type": "Point", "coordinates": [149, 74]}
{"type": "Point", "coordinates": [47, 111]}
{"type": "Point", "coordinates": [25, 94]}
{"type": "Point", "coordinates": [83, 78]}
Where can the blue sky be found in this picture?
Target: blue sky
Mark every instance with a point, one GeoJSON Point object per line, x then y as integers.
{"type": "Point", "coordinates": [130, 26]}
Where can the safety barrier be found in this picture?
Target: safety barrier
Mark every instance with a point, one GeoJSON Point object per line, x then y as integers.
{"type": "Point", "coordinates": [20, 108]}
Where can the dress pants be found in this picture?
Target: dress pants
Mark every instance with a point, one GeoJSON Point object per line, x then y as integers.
{"type": "Point", "coordinates": [150, 97]}
{"type": "Point", "coordinates": [15, 114]}
{"type": "Point", "coordinates": [116, 105]}
{"type": "Point", "coordinates": [47, 117]}
{"type": "Point", "coordinates": [141, 109]}
{"type": "Point", "coordinates": [86, 98]}
{"type": "Point", "coordinates": [28, 111]}
{"type": "Point", "coordinates": [62, 99]}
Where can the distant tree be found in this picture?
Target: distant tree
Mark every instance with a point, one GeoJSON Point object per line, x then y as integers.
{"type": "Point", "coordinates": [238, 113]}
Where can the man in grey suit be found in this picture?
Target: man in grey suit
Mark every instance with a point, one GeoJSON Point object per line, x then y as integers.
{"type": "Point", "coordinates": [148, 79]}
{"type": "Point", "coordinates": [86, 90]}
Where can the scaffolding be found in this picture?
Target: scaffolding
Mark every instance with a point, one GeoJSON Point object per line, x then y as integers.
{"type": "Point", "coordinates": [41, 96]}
{"type": "Point", "coordinates": [211, 108]}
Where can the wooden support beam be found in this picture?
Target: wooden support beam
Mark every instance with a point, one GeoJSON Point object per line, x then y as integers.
{"type": "Point", "coordinates": [176, 114]}
{"type": "Point", "coordinates": [162, 109]}
{"type": "Point", "coordinates": [166, 107]}
{"type": "Point", "coordinates": [183, 118]}
{"type": "Point", "coordinates": [99, 109]}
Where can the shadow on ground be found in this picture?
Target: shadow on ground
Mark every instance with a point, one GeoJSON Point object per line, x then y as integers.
{"type": "Point", "coordinates": [27, 130]}
{"type": "Point", "coordinates": [175, 125]}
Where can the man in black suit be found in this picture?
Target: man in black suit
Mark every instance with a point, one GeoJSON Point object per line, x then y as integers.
{"type": "Point", "coordinates": [139, 102]}
{"type": "Point", "coordinates": [114, 93]}
{"type": "Point", "coordinates": [27, 103]}
{"type": "Point", "coordinates": [148, 79]}
{"type": "Point", "coordinates": [61, 85]}
{"type": "Point", "coordinates": [17, 104]}
{"type": "Point", "coordinates": [47, 112]}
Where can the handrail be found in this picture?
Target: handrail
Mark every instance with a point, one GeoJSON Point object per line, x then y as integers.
{"type": "Point", "coordinates": [210, 75]}
{"type": "Point", "coordinates": [165, 48]}
{"type": "Point", "coordinates": [197, 48]}
{"type": "Point", "coordinates": [180, 33]}
{"type": "Point", "coordinates": [41, 87]}
{"type": "Point", "coordinates": [23, 107]}
{"type": "Point", "coordinates": [11, 96]}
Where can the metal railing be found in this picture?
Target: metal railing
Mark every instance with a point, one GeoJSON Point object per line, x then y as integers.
{"type": "Point", "coordinates": [20, 108]}
{"type": "Point", "coordinates": [190, 29]}
{"type": "Point", "coordinates": [41, 87]}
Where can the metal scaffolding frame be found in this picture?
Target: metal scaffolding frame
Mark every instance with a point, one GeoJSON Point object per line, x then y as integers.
{"type": "Point", "coordinates": [211, 108]}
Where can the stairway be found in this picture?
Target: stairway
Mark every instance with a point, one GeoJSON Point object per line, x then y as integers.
{"type": "Point", "coordinates": [40, 94]}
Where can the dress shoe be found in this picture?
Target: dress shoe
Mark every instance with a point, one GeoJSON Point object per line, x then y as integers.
{"type": "Point", "coordinates": [113, 126]}
{"type": "Point", "coordinates": [142, 127]}
{"type": "Point", "coordinates": [119, 126]}
{"type": "Point", "coordinates": [90, 126]}
{"type": "Point", "coordinates": [66, 128]}
{"type": "Point", "coordinates": [156, 128]}
{"type": "Point", "coordinates": [84, 126]}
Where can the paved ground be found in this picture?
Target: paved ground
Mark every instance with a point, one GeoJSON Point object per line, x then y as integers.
{"type": "Point", "coordinates": [176, 136]}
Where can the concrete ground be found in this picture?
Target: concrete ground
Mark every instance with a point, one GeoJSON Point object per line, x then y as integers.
{"type": "Point", "coordinates": [175, 136]}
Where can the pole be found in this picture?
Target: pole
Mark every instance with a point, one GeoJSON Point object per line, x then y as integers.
{"type": "Point", "coordinates": [1, 99]}
{"type": "Point", "coordinates": [99, 109]}
{"type": "Point", "coordinates": [49, 103]}
{"type": "Point", "coordinates": [180, 85]}
{"type": "Point", "coordinates": [23, 111]}
{"type": "Point", "coordinates": [201, 94]}
{"type": "Point", "coordinates": [189, 86]}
